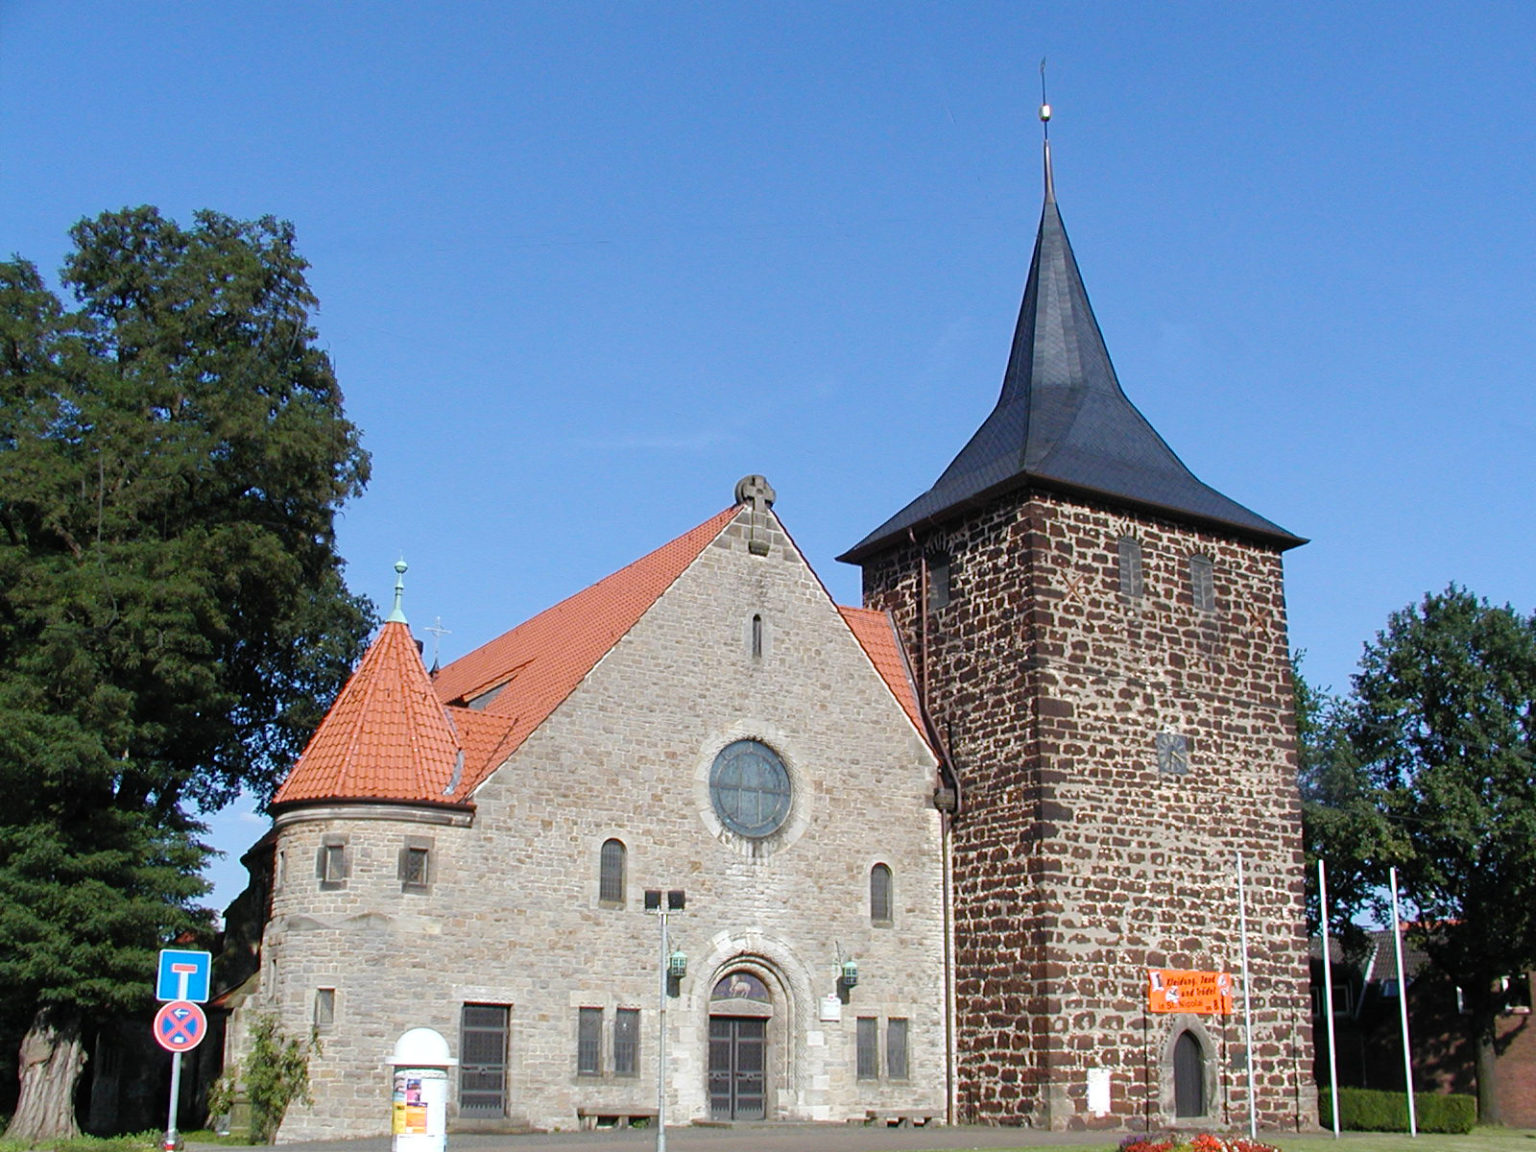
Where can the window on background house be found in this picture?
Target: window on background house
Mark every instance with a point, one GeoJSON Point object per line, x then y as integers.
{"type": "Point", "coordinates": [1130, 567]}
{"type": "Point", "coordinates": [867, 1039]}
{"type": "Point", "coordinates": [896, 1048]}
{"type": "Point", "coordinates": [1202, 583]}
{"type": "Point", "coordinates": [610, 874]}
{"type": "Point", "coordinates": [325, 1007]}
{"type": "Point", "coordinates": [626, 1042]}
{"type": "Point", "coordinates": [589, 1042]}
{"type": "Point", "coordinates": [1516, 992]}
{"type": "Point", "coordinates": [880, 896]}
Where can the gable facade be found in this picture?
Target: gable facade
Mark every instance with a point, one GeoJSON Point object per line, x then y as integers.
{"type": "Point", "coordinates": [508, 933]}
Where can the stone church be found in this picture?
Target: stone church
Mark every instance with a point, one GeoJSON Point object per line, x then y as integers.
{"type": "Point", "coordinates": [933, 854]}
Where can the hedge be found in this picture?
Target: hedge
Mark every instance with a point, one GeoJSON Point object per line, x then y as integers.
{"type": "Point", "coordinates": [1367, 1110]}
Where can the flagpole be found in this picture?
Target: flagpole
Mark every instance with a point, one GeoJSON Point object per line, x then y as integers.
{"type": "Point", "coordinates": [1333, 1054]}
{"type": "Point", "coordinates": [1402, 1007]}
{"type": "Point", "coordinates": [1242, 929]}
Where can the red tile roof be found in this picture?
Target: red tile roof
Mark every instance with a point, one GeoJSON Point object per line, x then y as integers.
{"type": "Point", "coordinates": [876, 632]}
{"type": "Point", "coordinates": [395, 734]}
{"type": "Point", "coordinates": [388, 736]}
{"type": "Point", "coordinates": [534, 667]}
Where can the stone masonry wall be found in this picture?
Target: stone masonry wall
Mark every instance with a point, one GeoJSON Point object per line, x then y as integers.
{"type": "Point", "coordinates": [1078, 863]}
{"type": "Point", "coordinates": [513, 916]}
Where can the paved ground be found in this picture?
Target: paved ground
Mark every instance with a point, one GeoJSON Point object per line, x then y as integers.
{"type": "Point", "coordinates": [743, 1138]}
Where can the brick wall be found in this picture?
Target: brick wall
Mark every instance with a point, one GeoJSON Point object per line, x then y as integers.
{"type": "Point", "coordinates": [1078, 863]}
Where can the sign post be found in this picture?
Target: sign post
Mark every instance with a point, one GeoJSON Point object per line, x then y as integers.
{"type": "Point", "coordinates": [182, 980]}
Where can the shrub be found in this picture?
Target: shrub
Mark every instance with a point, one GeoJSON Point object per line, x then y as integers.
{"type": "Point", "coordinates": [1369, 1110]}
{"type": "Point", "coordinates": [275, 1074]}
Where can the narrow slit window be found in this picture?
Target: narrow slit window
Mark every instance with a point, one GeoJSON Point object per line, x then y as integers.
{"type": "Point", "coordinates": [757, 636]}
{"type": "Point", "coordinates": [867, 1039]}
{"type": "Point", "coordinates": [325, 1007]}
{"type": "Point", "coordinates": [626, 1042]}
{"type": "Point", "coordinates": [589, 1042]}
{"type": "Point", "coordinates": [896, 1048]}
{"type": "Point", "coordinates": [1202, 583]}
{"type": "Point", "coordinates": [610, 878]}
{"type": "Point", "coordinates": [1130, 567]}
{"type": "Point", "coordinates": [938, 583]}
{"type": "Point", "coordinates": [880, 895]}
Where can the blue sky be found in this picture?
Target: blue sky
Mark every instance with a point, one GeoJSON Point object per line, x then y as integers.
{"type": "Point", "coordinates": [582, 265]}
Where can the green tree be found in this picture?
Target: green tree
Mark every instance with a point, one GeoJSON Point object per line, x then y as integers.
{"type": "Point", "coordinates": [1444, 720]}
{"type": "Point", "coordinates": [173, 616]}
{"type": "Point", "coordinates": [1342, 823]}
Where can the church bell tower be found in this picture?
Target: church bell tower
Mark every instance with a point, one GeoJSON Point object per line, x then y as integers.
{"type": "Point", "coordinates": [1100, 639]}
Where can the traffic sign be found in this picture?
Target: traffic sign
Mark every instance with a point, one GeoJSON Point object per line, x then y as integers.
{"type": "Point", "coordinates": [180, 1025]}
{"type": "Point", "coordinates": [183, 975]}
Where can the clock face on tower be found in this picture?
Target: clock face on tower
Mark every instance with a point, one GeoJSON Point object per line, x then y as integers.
{"type": "Point", "coordinates": [749, 787]}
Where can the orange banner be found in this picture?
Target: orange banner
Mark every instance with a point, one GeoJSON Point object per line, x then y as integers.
{"type": "Point", "coordinates": [1169, 990]}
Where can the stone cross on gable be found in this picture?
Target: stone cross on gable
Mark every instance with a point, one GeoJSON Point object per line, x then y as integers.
{"type": "Point", "coordinates": [755, 490]}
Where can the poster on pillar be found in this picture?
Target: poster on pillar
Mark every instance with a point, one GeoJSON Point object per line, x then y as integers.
{"type": "Point", "coordinates": [1173, 990]}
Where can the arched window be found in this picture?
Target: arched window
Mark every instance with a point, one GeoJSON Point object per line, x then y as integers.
{"type": "Point", "coordinates": [1188, 1076]}
{"type": "Point", "coordinates": [1130, 567]}
{"type": "Point", "coordinates": [610, 874]}
{"type": "Point", "coordinates": [880, 895]}
{"type": "Point", "coordinates": [757, 636]}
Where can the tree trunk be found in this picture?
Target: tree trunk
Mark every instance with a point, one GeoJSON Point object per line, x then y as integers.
{"type": "Point", "coordinates": [1488, 1110]}
{"type": "Point", "coordinates": [52, 1055]}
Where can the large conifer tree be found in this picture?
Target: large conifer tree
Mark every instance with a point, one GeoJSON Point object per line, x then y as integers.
{"type": "Point", "coordinates": [173, 617]}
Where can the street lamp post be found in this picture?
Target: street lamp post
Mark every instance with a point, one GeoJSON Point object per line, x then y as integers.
{"type": "Point", "coordinates": [661, 905]}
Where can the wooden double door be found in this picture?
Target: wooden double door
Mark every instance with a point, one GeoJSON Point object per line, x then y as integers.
{"type": "Point", "coordinates": [738, 1062]}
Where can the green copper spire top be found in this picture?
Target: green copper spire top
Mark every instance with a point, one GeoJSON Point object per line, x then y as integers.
{"type": "Point", "coordinates": [397, 613]}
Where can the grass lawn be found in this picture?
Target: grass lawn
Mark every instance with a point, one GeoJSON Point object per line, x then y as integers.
{"type": "Point", "coordinates": [1478, 1140]}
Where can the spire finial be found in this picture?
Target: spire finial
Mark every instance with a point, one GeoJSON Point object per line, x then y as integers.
{"type": "Point", "coordinates": [1045, 127]}
{"type": "Point", "coordinates": [397, 613]}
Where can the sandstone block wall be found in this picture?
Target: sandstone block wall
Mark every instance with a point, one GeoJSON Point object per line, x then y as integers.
{"type": "Point", "coordinates": [1079, 863]}
{"type": "Point", "coordinates": [512, 916]}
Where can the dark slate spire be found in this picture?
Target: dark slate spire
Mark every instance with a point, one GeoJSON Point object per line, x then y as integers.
{"type": "Point", "coordinates": [1062, 423]}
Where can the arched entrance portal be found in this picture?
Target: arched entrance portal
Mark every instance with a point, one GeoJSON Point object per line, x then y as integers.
{"type": "Point", "coordinates": [1188, 1077]}
{"type": "Point", "coordinates": [740, 1008]}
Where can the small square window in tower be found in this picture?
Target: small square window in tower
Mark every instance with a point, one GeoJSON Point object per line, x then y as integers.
{"type": "Point", "coordinates": [415, 867]}
{"type": "Point", "coordinates": [1202, 583]}
{"type": "Point", "coordinates": [1130, 567]}
{"type": "Point", "coordinates": [332, 865]}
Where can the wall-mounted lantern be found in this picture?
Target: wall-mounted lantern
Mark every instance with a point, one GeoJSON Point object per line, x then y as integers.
{"type": "Point", "coordinates": [850, 974]}
{"type": "Point", "coordinates": [677, 964]}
